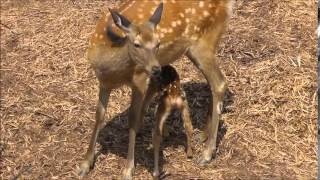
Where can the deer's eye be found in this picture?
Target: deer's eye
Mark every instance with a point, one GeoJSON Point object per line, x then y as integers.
{"type": "Point", "coordinates": [137, 45]}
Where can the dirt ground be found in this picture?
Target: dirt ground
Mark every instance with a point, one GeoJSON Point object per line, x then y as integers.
{"type": "Point", "coordinates": [48, 96]}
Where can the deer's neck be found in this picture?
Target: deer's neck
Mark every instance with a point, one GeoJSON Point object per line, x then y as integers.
{"type": "Point", "coordinates": [111, 64]}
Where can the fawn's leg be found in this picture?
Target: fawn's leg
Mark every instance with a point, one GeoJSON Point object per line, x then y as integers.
{"type": "Point", "coordinates": [162, 114]}
{"type": "Point", "coordinates": [188, 126]}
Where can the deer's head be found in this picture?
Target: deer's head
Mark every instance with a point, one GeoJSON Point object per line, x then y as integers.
{"type": "Point", "coordinates": [142, 41]}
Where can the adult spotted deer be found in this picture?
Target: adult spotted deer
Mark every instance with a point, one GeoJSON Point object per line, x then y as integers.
{"type": "Point", "coordinates": [124, 49]}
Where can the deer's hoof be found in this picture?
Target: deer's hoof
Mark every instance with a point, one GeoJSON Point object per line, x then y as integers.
{"type": "Point", "coordinates": [127, 177]}
{"type": "Point", "coordinates": [205, 158]}
{"type": "Point", "coordinates": [189, 153]}
{"type": "Point", "coordinates": [155, 175]}
{"type": "Point", "coordinates": [127, 174]}
{"type": "Point", "coordinates": [84, 168]}
{"type": "Point", "coordinates": [201, 161]}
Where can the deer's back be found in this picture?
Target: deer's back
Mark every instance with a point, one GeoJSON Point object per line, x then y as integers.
{"type": "Point", "coordinates": [182, 23]}
{"type": "Point", "coordinates": [180, 18]}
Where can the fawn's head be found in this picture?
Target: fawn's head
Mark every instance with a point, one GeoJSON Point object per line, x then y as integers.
{"type": "Point", "coordinates": [168, 75]}
{"type": "Point", "coordinates": [143, 42]}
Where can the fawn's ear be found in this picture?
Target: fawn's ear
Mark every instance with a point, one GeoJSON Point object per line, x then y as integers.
{"type": "Point", "coordinates": [156, 17]}
{"type": "Point", "coordinates": [122, 22]}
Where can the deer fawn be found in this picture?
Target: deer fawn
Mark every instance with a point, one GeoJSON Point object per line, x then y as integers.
{"type": "Point", "coordinates": [125, 52]}
{"type": "Point", "coordinates": [171, 97]}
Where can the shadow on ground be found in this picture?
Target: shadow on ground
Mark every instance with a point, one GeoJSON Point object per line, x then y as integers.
{"type": "Point", "coordinates": [113, 137]}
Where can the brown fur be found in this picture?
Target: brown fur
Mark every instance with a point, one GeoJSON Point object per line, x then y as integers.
{"type": "Point", "coordinates": [192, 28]}
{"type": "Point", "coordinates": [172, 97]}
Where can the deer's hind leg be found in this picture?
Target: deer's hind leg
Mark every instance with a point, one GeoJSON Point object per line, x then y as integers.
{"type": "Point", "coordinates": [203, 56]}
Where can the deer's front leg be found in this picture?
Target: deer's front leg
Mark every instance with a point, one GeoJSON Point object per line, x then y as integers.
{"type": "Point", "coordinates": [88, 161]}
{"type": "Point", "coordinates": [135, 119]}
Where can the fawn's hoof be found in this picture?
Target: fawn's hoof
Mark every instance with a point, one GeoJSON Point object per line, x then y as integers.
{"type": "Point", "coordinates": [189, 153]}
{"type": "Point", "coordinates": [127, 174]}
{"type": "Point", "coordinates": [84, 168]}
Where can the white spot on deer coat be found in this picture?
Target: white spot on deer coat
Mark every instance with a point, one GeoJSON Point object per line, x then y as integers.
{"type": "Point", "coordinates": [181, 15]}
{"type": "Point", "coordinates": [163, 30]}
{"type": "Point", "coordinates": [173, 24]}
{"type": "Point", "coordinates": [193, 11]}
{"type": "Point", "coordinates": [188, 10]}
{"type": "Point", "coordinates": [206, 13]}
{"type": "Point", "coordinates": [201, 4]}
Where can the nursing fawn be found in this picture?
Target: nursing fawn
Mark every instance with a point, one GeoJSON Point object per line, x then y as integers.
{"type": "Point", "coordinates": [125, 49]}
{"type": "Point", "coordinates": [172, 97]}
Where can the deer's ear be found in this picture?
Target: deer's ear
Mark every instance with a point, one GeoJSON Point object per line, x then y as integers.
{"type": "Point", "coordinates": [122, 22]}
{"type": "Point", "coordinates": [156, 17]}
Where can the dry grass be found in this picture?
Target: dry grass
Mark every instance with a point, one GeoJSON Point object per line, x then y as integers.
{"type": "Point", "coordinates": [48, 95]}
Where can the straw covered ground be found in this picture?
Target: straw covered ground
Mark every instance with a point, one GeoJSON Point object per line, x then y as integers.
{"type": "Point", "coordinates": [48, 96]}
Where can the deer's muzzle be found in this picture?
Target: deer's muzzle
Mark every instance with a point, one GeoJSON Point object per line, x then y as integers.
{"type": "Point", "coordinates": [156, 71]}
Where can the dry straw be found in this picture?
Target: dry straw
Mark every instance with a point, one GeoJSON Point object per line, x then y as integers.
{"type": "Point", "coordinates": [48, 96]}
